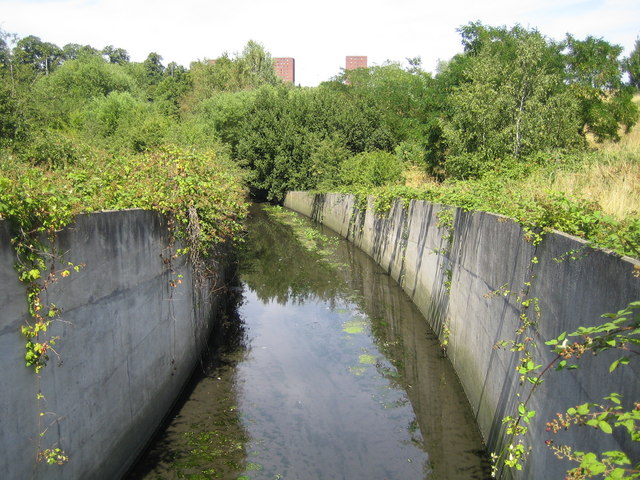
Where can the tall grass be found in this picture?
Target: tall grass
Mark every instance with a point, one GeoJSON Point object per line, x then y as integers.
{"type": "Point", "coordinates": [612, 180]}
{"type": "Point", "coordinates": [609, 176]}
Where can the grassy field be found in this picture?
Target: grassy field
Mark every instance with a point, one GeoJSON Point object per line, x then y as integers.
{"type": "Point", "coordinates": [610, 176]}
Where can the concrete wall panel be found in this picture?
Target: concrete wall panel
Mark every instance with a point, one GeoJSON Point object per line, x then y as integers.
{"type": "Point", "coordinates": [571, 283]}
{"type": "Point", "coordinates": [129, 341]}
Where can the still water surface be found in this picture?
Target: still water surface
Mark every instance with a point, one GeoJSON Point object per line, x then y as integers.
{"type": "Point", "coordinates": [328, 372]}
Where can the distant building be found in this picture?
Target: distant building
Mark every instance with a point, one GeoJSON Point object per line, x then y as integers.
{"type": "Point", "coordinates": [354, 62]}
{"type": "Point", "coordinates": [285, 69]}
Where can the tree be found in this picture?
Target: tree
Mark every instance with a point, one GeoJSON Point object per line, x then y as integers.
{"type": "Point", "coordinates": [154, 68]}
{"type": "Point", "coordinates": [43, 57]}
{"type": "Point", "coordinates": [72, 51]}
{"type": "Point", "coordinates": [115, 55]}
{"type": "Point", "coordinates": [13, 92]}
{"type": "Point", "coordinates": [8, 111]}
{"type": "Point", "coordinates": [256, 63]}
{"type": "Point", "coordinates": [512, 103]}
{"type": "Point", "coordinates": [632, 66]}
{"type": "Point", "coordinates": [5, 52]}
{"type": "Point", "coordinates": [68, 90]}
{"type": "Point", "coordinates": [249, 70]}
{"type": "Point", "coordinates": [594, 62]}
{"type": "Point", "coordinates": [594, 70]}
{"type": "Point", "coordinates": [405, 100]}
{"type": "Point", "coordinates": [172, 88]}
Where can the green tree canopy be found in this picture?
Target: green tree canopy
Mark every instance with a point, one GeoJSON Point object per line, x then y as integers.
{"type": "Point", "coordinates": [42, 57]}
{"type": "Point", "coordinates": [512, 103]}
{"type": "Point", "coordinates": [594, 69]}
{"type": "Point", "coordinates": [632, 66]}
{"type": "Point", "coordinates": [72, 51]}
{"type": "Point", "coordinates": [115, 55]}
{"type": "Point", "coordinates": [256, 64]}
{"type": "Point", "coordinates": [74, 84]}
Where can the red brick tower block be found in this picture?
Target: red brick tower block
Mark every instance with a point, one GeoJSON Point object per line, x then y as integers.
{"type": "Point", "coordinates": [285, 69]}
{"type": "Point", "coordinates": [354, 62]}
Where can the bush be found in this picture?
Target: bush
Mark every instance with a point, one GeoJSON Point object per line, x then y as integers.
{"type": "Point", "coordinates": [374, 168]}
{"type": "Point", "coordinates": [50, 148]}
{"type": "Point", "coordinates": [121, 120]}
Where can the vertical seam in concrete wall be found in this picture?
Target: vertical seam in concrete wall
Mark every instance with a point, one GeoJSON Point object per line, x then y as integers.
{"type": "Point", "coordinates": [486, 252]}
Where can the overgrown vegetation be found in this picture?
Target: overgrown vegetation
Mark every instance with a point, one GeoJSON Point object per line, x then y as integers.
{"type": "Point", "coordinates": [537, 129]}
{"type": "Point", "coordinates": [518, 124]}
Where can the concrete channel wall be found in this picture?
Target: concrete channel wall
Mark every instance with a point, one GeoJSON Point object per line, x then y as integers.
{"type": "Point", "coordinates": [129, 340]}
{"type": "Point", "coordinates": [450, 269]}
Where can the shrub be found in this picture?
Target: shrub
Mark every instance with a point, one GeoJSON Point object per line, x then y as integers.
{"type": "Point", "coordinates": [375, 168]}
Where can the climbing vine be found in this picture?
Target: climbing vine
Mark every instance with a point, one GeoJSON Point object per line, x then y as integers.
{"type": "Point", "coordinates": [201, 193]}
{"type": "Point", "coordinates": [446, 217]}
{"type": "Point", "coordinates": [524, 346]}
{"type": "Point", "coordinates": [621, 332]}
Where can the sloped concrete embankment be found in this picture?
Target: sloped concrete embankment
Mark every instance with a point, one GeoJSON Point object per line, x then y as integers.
{"type": "Point", "coordinates": [129, 340]}
{"type": "Point", "coordinates": [450, 273]}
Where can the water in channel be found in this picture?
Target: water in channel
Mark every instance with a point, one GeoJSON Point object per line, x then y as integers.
{"type": "Point", "coordinates": [328, 372]}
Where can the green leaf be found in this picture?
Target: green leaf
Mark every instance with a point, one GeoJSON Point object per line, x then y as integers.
{"type": "Point", "coordinates": [583, 409]}
{"type": "Point", "coordinates": [616, 474]}
{"type": "Point", "coordinates": [618, 362]}
{"type": "Point", "coordinates": [617, 457]}
{"type": "Point", "coordinates": [605, 427]}
{"type": "Point", "coordinates": [561, 365]}
{"type": "Point", "coordinates": [614, 397]}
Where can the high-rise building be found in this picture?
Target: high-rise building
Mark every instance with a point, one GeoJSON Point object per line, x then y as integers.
{"type": "Point", "coordinates": [285, 69]}
{"type": "Point", "coordinates": [354, 62]}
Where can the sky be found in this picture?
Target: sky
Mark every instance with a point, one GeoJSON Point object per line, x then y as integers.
{"type": "Point", "coordinates": [318, 34]}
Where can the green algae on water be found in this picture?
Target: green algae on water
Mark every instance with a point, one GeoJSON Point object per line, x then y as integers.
{"type": "Point", "coordinates": [354, 326]}
{"type": "Point", "coordinates": [367, 359]}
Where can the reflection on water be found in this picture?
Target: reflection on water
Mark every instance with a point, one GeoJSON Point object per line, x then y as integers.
{"type": "Point", "coordinates": [333, 375]}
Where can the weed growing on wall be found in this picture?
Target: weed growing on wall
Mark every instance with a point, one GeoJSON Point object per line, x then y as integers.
{"type": "Point", "coordinates": [201, 193]}
{"type": "Point", "coordinates": [537, 212]}
{"type": "Point", "coordinates": [620, 332]}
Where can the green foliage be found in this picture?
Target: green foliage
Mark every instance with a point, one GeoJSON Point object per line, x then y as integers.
{"type": "Point", "coordinates": [41, 57]}
{"type": "Point", "coordinates": [595, 74]}
{"type": "Point", "coordinates": [513, 102]}
{"type": "Point", "coordinates": [250, 70]}
{"type": "Point", "coordinates": [53, 456]}
{"type": "Point", "coordinates": [223, 115]}
{"type": "Point", "coordinates": [375, 168]}
{"type": "Point", "coordinates": [256, 65]}
{"type": "Point", "coordinates": [202, 192]}
{"type": "Point", "coordinates": [620, 332]}
{"type": "Point", "coordinates": [115, 55]}
{"type": "Point", "coordinates": [9, 114]}
{"type": "Point", "coordinates": [171, 89]}
{"type": "Point", "coordinates": [286, 132]}
{"type": "Point", "coordinates": [327, 157]}
{"type": "Point", "coordinates": [87, 77]}
{"type": "Point", "coordinates": [537, 211]}
{"type": "Point", "coordinates": [410, 152]}
{"type": "Point", "coordinates": [73, 51]}
{"type": "Point", "coordinates": [52, 148]}
{"type": "Point", "coordinates": [632, 66]}
{"type": "Point", "coordinates": [403, 98]}
{"type": "Point", "coordinates": [123, 121]}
